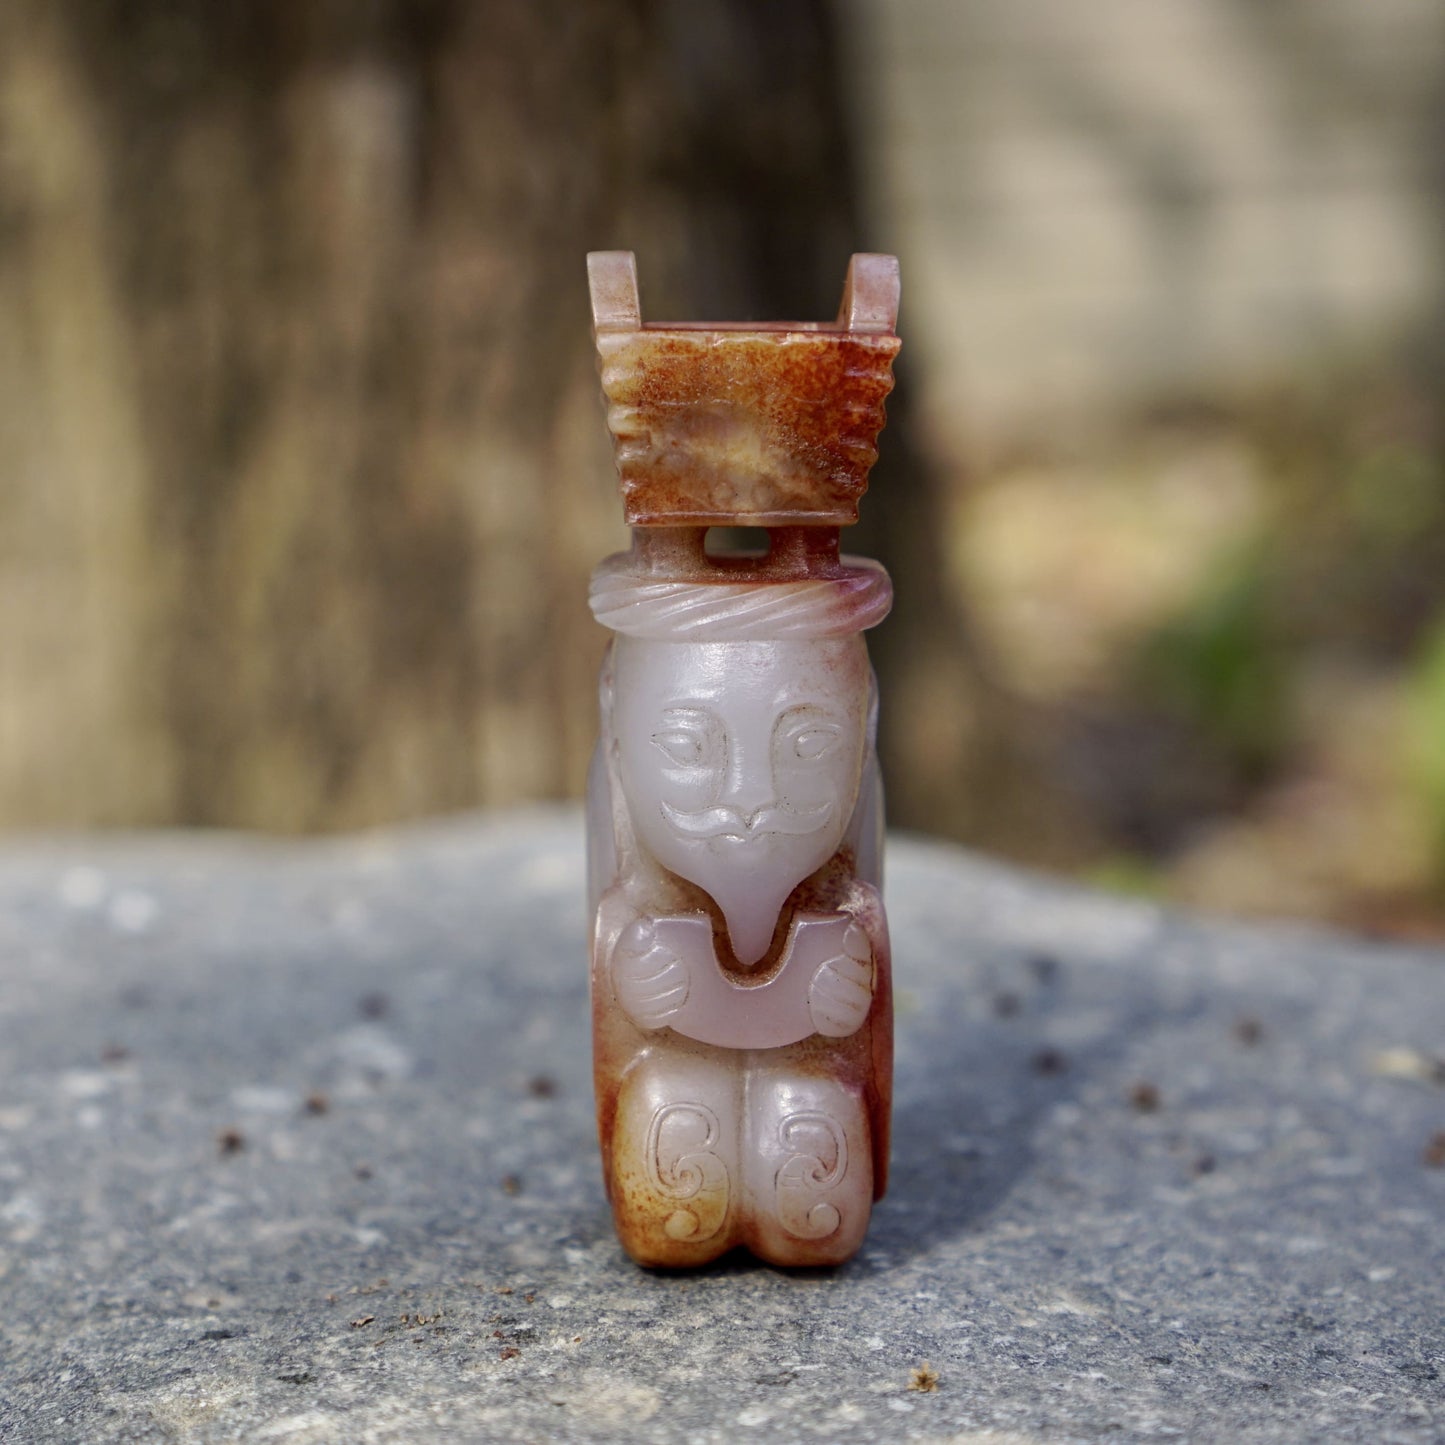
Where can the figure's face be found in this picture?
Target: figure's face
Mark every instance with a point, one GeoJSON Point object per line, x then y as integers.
{"type": "Point", "coordinates": [740, 764]}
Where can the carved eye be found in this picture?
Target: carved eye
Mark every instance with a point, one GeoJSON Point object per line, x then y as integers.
{"type": "Point", "coordinates": [683, 748]}
{"type": "Point", "coordinates": [814, 742]}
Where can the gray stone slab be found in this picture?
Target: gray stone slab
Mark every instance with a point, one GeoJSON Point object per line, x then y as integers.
{"type": "Point", "coordinates": [192, 1252]}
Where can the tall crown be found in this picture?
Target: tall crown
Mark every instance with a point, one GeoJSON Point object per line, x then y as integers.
{"type": "Point", "coordinates": [762, 425]}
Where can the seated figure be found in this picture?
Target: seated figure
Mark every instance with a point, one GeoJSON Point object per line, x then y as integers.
{"type": "Point", "coordinates": [742, 1015]}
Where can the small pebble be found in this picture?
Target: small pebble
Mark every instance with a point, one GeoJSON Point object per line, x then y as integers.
{"type": "Point", "coordinates": [1006, 1005]}
{"type": "Point", "coordinates": [1045, 967]}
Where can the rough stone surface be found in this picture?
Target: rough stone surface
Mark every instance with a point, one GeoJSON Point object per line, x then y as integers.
{"type": "Point", "coordinates": [296, 1145]}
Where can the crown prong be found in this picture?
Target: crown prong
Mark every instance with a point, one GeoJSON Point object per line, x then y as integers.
{"type": "Point", "coordinates": [612, 280]}
{"type": "Point", "coordinates": [870, 293]}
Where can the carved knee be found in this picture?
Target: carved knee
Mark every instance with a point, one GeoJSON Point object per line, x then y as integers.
{"type": "Point", "coordinates": [810, 1170]}
{"type": "Point", "coordinates": [674, 1170]}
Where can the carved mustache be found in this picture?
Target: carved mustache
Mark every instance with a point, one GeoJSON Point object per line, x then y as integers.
{"type": "Point", "coordinates": [725, 822]}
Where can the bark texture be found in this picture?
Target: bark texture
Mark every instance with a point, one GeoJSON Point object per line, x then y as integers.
{"type": "Point", "coordinates": [302, 464]}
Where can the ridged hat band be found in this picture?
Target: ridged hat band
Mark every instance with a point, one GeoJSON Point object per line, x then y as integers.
{"type": "Point", "coordinates": [812, 607]}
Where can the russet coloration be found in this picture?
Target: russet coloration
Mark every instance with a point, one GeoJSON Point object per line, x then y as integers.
{"type": "Point", "coordinates": [741, 984]}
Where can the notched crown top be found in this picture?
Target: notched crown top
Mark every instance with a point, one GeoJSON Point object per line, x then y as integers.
{"type": "Point", "coordinates": [766, 425]}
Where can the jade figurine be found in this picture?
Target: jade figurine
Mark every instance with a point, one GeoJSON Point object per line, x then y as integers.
{"type": "Point", "coordinates": [741, 999]}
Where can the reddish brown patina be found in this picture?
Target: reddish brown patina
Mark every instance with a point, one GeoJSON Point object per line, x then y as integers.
{"type": "Point", "coordinates": [767, 425]}
{"type": "Point", "coordinates": [761, 428]}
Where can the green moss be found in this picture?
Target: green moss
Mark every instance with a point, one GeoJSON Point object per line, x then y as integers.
{"type": "Point", "coordinates": [1220, 666]}
{"type": "Point", "coordinates": [1127, 873]}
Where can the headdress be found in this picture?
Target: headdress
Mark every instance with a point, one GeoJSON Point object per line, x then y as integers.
{"type": "Point", "coordinates": [771, 426]}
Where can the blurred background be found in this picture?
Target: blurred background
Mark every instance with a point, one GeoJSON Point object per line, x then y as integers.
{"type": "Point", "coordinates": [303, 464]}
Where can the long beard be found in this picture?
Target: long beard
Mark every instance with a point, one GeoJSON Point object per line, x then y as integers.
{"type": "Point", "coordinates": [741, 868]}
{"type": "Point", "coordinates": [750, 904]}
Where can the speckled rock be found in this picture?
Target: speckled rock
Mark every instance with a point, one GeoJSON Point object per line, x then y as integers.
{"type": "Point", "coordinates": [296, 1145]}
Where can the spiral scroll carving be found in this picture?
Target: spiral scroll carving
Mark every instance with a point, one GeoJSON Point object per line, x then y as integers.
{"type": "Point", "coordinates": [682, 1166]}
{"type": "Point", "coordinates": [813, 1139]}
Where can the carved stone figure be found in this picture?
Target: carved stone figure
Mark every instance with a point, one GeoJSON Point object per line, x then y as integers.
{"type": "Point", "coordinates": [742, 1010]}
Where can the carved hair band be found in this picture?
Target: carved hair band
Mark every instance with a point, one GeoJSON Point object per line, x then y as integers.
{"type": "Point", "coordinates": [856, 598]}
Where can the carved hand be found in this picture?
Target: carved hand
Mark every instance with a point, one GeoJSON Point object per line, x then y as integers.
{"type": "Point", "coordinates": [841, 991]}
{"type": "Point", "coordinates": [651, 980]}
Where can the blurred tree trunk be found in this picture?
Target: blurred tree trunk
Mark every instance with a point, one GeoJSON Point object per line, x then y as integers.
{"type": "Point", "coordinates": [302, 466]}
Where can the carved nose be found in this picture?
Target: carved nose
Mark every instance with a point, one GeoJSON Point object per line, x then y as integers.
{"type": "Point", "coordinates": [745, 789]}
